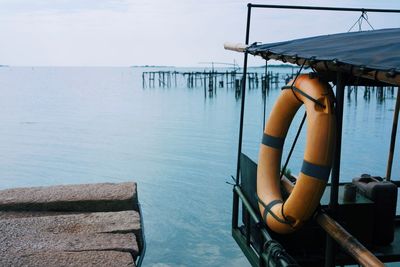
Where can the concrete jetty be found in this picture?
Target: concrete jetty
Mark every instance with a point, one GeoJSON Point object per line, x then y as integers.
{"type": "Point", "coordinates": [70, 225]}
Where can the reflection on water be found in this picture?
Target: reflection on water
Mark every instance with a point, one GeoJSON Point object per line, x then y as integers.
{"type": "Point", "coordinates": [85, 125]}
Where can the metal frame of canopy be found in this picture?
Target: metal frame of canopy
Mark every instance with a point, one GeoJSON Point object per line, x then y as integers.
{"type": "Point", "coordinates": [340, 79]}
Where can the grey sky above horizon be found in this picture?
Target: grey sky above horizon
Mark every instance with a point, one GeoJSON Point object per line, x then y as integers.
{"type": "Point", "coordinates": [157, 32]}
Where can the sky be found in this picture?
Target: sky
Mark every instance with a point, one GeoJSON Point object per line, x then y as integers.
{"type": "Point", "coordinates": [159, 32]}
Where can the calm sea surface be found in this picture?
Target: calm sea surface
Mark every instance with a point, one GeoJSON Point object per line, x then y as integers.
{"type": "Point", "coordinates": [88, 125]}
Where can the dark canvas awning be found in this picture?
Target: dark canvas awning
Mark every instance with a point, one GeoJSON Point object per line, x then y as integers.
{"type": "Point", "coordinates": [364, 52]}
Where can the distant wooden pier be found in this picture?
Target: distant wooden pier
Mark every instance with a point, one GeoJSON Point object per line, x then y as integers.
{"type": "Point", "coordinates": [381, 92]}
{"type": "Point", "coordinates": [210, 80]}
{"type": "Point", "coordinates": [71, 225]}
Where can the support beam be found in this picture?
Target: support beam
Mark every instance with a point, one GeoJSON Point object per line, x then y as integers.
{"type": "Point", "coordinates": [235, 209]}
{"type": "Point", "coordinates": [393, 137]}
{"type": "Point", "coordinates": [333, 203]}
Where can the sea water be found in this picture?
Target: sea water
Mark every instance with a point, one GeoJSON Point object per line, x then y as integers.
{"type": "Point", "coordinates": [88, 125]}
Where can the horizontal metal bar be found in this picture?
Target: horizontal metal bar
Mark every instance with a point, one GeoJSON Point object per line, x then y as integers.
{"type": "Point", "coordinates": [251, 211]}
{"type": "Point", "coordinates": [238, 47]}
{"type": "Point", "coordinates": [246, 203]}
{"type": "Point", "coordinates": [285, 259]}
{"type": "Point", "coordinates": [348, 243]}
{"type": "Point", "coordinates": [326, 8]}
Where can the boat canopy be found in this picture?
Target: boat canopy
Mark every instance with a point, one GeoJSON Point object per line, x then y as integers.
{"type": "Point", "coordinates": [373, 54]}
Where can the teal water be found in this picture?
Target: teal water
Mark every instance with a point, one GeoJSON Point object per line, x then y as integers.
{"type": "Point", "coordinates": [87, 125]}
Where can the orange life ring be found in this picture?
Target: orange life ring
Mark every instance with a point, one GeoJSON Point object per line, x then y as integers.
{"type": "Point", "coordinates": [287, 216]}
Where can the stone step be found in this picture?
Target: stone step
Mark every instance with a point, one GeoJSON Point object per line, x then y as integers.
{"type": "Point", "coordinates": [70, 225]}
{"type": "Point", "coordinates": [69, 233]}
{"type": "Point", "coordinates": [71, 259]}
{"type": "Point", "coordinates": [82, 198]}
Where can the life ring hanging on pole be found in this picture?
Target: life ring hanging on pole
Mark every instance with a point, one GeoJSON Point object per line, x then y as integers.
{"type": "Point", "coordinates": [287, 216]}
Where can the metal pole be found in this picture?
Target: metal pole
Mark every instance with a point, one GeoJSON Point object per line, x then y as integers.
{"type": "Point", "coordinates": [235, 210]}
{"type": "Point", "coordinates": [265, 92]}
{"type": "Point", "coordinates": [340, 86]}
{"type": "Point", "coordinates": [349, 244]}
{"type": "Point", "coordinates": [327, 8]}
{"type": "Point", "coordinates": [333, 203]}
{"type": "Point", "coordinates": [393, 137]}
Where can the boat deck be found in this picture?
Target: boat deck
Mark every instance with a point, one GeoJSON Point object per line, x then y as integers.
{"type": "Point", "coordinates": [307, 245]}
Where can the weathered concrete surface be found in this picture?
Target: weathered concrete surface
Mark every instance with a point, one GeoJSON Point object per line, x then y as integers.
{"type": "Point", "coordinates": [73, 225]}
{"type": "Point", "coordinates": [25, 214]}
{"type": "Point", "coordinates": [96, 222]}
{"type": "Point", "coordinates": [79, 232]}
{"type": "Point", "coordinates": [64, 259]}
{"type": "Point", "coordinates": [84, 197]}
{"type": "Point", "coordinates": [15, 243]}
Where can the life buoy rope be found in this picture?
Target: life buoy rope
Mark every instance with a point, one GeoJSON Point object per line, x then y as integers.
{"type": "Point", "coordinates": [267, 209]}
{"type": "Point", "coordinates": [291, 87]}
{"type": "Point", "coordinates": [286, 216]}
